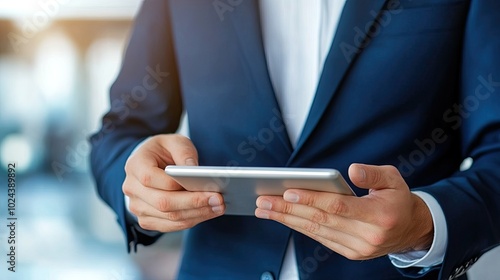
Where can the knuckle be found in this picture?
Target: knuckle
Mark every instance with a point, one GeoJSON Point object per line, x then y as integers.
{"type": "Point", "coordinates": [163, 204]}
{"type": "Point", "coordinates": [174, 216]}
{"type": "Point", "coordinates": [376, 176]}
{"type": "Point", "coordinates": [287, 208]}
{"type": "Point", "coordinates": [337, 207]}
{"type": "Point", "coordinates": [389, 222]}
{"type": "Point", "coordinates": [145, 179]}
{"type": "Point", "coordinates": [392, 171]}
{"type": "Point", "coordinates": [367, 253]}
{"type": "Point", "coordinates": [127, 188]}
{"type": "Point", "coordinates": [312, 227]}
{"type": "Point", "coordinates": [145, 224]}
{"type": "Point", "coordinates": [376, 239]}
{"type": "Point", "coordinates": [133, 207]}
{"type": "Point", "coordinates": [319, 217]}
{"type": "Point", "coordinates": [335, 223]}
{"type": "Point", "coordinates": [197, 201]}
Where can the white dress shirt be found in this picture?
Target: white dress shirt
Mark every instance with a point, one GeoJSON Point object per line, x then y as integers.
{"type": "Point", "coordinates": [297, 38]}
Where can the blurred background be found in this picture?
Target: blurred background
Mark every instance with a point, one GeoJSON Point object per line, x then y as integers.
{"type": "Point", "coordinates": [58, 59]}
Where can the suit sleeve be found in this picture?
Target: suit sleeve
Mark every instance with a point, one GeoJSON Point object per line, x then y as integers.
{"type": "Point", "coordinates": [145, 100]}
{"type": "Point", "coordinates": [471, 199]}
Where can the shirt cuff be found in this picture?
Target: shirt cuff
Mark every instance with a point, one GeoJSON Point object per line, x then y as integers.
{"type": "Point", "coordinates": [435, 255]}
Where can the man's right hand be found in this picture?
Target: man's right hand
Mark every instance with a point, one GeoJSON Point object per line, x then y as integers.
{"type": "Point", "coordinates": [160, 203]}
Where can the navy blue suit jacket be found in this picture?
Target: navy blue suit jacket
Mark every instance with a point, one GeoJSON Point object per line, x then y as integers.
{"type": "Point", "coordinates": [408, 83]}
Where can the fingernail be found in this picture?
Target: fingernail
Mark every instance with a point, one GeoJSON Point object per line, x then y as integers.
{"type": "Point", "coordinates": [261, 214]}
{"type": "Point", "coordinates": [291, 197]}
{"type": "Point", "coordinates": [217, 209]}
{"type": "Point", "coordinates": [214, 201]}
{"type": "Point", "coordinates": [361, 173]}
{"type": "Point", "coordinates": [190, 162]}
{"type": "Point", "coordinates": [265, 204]}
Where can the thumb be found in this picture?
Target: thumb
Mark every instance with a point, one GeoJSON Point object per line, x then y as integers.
{"type": "Point", "coordinates": [375, 177]}
{"type": "Point", "coordinates": [181, 149]}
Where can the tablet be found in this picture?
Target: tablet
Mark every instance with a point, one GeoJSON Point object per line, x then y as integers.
{"type": "Point", "coordinates": [240, 186]}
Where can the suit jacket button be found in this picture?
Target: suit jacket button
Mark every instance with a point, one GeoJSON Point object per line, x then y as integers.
{"type": "Point", "coordinates": [267, 276]}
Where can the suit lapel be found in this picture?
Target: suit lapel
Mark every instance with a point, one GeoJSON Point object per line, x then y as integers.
{"type": "Point", "coordinates": [347, 44]}
{"type": "Point", "coordinates": [245, 19]}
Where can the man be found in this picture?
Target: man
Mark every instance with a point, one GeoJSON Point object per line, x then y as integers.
{"type": "Point", "coordinates": [407, 88]}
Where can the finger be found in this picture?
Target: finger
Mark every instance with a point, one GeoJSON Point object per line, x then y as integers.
{"type": "Point", "coordinates": [338, 241]}
{"type": "Point", "coordinates": [162, 225]}
{"type": "Point", "coordinates": [169, 201]}
{"type": "Point", "coordinates": [337, 204]}
{"type": "Point", "coordinates": [180, 149]}
{"type": "Point", "coordinates": [148, 162]}
{"type": "Point", "coordinates": [354, 249]}
{"type": "Point", "coordinates": [309, 213]}
{"type": "Point", "coordinates": [375, 177]}
{"type": "Point", "coordinates": [142, 209]}
{"type": "Point", "coordinates": [144, 168]}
